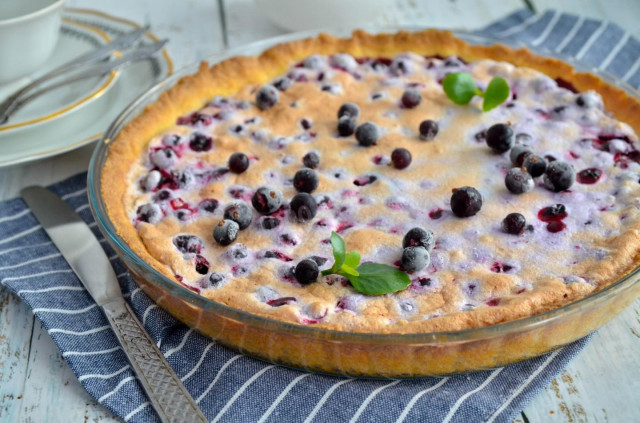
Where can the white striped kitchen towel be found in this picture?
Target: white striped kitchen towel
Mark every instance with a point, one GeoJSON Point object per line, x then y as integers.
{"type": "Point", "coordinates": [231, 387]}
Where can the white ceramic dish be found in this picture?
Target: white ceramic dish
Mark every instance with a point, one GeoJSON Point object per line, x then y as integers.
{"type": "Point", "coordinates": [28, 33]}
{"type": "Point", "coordinates": [75, 39]}
{"type": "Point", "coordinates": [86, 123]}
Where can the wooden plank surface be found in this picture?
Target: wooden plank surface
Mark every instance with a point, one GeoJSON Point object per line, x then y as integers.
{"type": "Point", "coordinates": [601, 384]}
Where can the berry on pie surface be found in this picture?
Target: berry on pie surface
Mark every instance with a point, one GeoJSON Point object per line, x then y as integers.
{"type": "Point", "coordinates": [286, 122]}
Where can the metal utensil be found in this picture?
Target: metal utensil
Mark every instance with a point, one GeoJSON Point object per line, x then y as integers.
{"type": "Point", "coordinates": [88, 260]}
{"type": "Point", "coordinates": [141, 53]}
{"type": "Point", "coordinates": [98, 69]}
{"type": "Point", "coordinates": [122, 42]}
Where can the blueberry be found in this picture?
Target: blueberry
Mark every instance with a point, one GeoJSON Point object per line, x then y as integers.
{"type": "Point", "coordinates": [306, 271]}
{"type": "Point", "coordinates": [269, 223]}
{"type": "Point", "coordinates": [418, 237]}
{"type": "Point", "coordinates": [535, 165]}
{"type": "Point", "coordinates": [277, 255]}
{"type": "Point", "coordinates": [500, 137]}
{"type": "Point", "coordinates": [589, 176]}
{"type": "Point", "coordinates": [589, 100]}
{"type": "Point", "coordinates": [401, 66]}
{"type": "Point", "coordinates": [518, 153]}
{"type": "Point", "coordinates": [306, 124]}
{"type": "Point", "coordinates": [209, 205]}
{"type": "Point", "coordinates": [313, 62]}
{"type": "Point", "coordinates": [188, 244]}
{"type": "Point", "coordinates": [202, 265]}
{"type": "Point", "coordinates": [346, 126]}
{"type": "Point", "coordinates": [304, 207]}
{"type": "Point", "coordinates": [182, 179]}
{"type": "Point", "coordinates": [453, 62]}
{"type": "Point", "coordinates": [554, 213]}
{"type": "Point", "coordinates": [349, 109]}
{"type": "Point", "coordinates": [311, 160]}
{"type": "Point", "coordinates": [305, 180]}
{"type": "Point", "coordinates": [344, 61]}
{"type": "Point", "coordinates": [365, 180]}
{"type": "Point", "coordinates": [283, 83]}
{"type": "Point", "coordinates": [238, 162]}
{"type": "Point", "coordinates": [240, 213]}
{"type": "Point", "coordinates": [466, 201]}
{"type": "Point", "coordinates": [171, 140]}
{"type": "Point", "coordinates": [164, 158]}
{"type": "Point", "coordinates": [514, 223]}
{"type": "Point", "coordinates": [518, 181]}
{"type": "Point", "coordinates": [200, 142]}
{"type": "Point", "coordinates": [266, 200]}
{"type": "Point", "coordinates": [367, 134]}
{"type": "Point", "coordinates": [226, 232]}
{"type": "Point", "coordinates": [267, 97]}
{"type": "Point", "coordinates": [215, 279]}
{"type": "Point", "coordinates": [162, 195]}
{"type": "Point", "coordinates": [151, 180]}
{"type": "Point", "coordinates": [559, 176]}
{"type": "Point", "coordinates": [401, 158]}
{"type": "Point", "coordinates": [415, 258]}
{"type": "Point", "coordinates": [237, 252]}
{"type": "Point", "coordinates": [150, 213]}
{"type": "Point", "coordinates": [428, 130]}
{"type": "Point", "coordinates": [411, 98]}
{"type": "Point", "coordinates": [183, 215]}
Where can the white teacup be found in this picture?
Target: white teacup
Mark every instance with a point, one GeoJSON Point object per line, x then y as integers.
{"type": "Point", "coordinates": [29, 31]}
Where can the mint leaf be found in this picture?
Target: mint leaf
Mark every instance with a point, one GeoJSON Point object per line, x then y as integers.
{"type": "Point", "coordinates": [377, 279]}
{"type": "Point", "coordinates": [339, 253]}
{"type": "Point", "coordinates": [459, 87]}
{"type": "Point", "coordinates": [496, 93]}
{"type": "Point", "coordinates": [352, 260]}
{"type": "Point", "coordinates": [348, 270]}
{"type": "Point", "coordinates": [339, 250]}
{"type": "Point", "coordinates": [367, 278]}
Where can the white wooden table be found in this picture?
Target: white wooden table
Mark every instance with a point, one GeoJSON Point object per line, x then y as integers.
{"type": "Point", "coordinates": [601, 385]}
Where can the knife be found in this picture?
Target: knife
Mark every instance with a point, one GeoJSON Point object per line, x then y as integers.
{"type": "Point", "coordinates": [83, 252]}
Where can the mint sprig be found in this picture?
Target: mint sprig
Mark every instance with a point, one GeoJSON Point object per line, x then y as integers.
{"type": "Point", "coordinates": [366, 278]}
{"type": "Point", "coordinates": [461, 88]}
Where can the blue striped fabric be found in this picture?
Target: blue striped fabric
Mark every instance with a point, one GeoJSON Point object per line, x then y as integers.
{"type": "Point", "coordinates": [231, 387]}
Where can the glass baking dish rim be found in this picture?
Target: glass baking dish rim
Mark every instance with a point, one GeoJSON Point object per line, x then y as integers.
{"type": "Point", "coordinates": [98, 209]}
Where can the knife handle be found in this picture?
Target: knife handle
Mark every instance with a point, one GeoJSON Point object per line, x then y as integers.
{"type": "Point", "coordinates": [167, 394]}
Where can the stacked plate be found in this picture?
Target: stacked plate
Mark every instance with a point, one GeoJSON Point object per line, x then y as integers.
{"type": "Point", "coordinates": [76, 114]}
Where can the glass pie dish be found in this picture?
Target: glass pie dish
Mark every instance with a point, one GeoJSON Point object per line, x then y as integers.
{"type": "Point", "coordinates": [351, 353]}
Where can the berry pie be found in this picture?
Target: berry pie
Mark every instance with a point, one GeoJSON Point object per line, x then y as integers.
{"type": "Point", "coordinates": [338, 183]}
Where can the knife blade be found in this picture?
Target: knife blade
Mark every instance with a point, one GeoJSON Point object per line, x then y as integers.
{"type": "Point", "coordinates": [83, 252]}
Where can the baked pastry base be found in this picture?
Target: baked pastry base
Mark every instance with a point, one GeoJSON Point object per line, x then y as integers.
{"type": "Point", "coordinates": [229, 76]}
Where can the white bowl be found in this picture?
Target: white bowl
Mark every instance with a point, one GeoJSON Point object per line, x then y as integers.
{"type": "Point", "coordinates": [28, 33]}
{"type": "Point", "coordinates": [299, 15]}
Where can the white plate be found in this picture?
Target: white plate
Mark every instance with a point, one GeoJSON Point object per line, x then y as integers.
{"type": "Point", "coordinates": [83, 123]}
{"type": "Point", "coordinates": [75, 39]}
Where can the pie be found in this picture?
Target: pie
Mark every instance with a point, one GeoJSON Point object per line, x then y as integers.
{"type": "Point", "coordinates": [241, 172]}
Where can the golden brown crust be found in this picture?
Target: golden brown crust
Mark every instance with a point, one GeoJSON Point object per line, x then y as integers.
{"type": "Point", "coordinates": [231, 75]}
